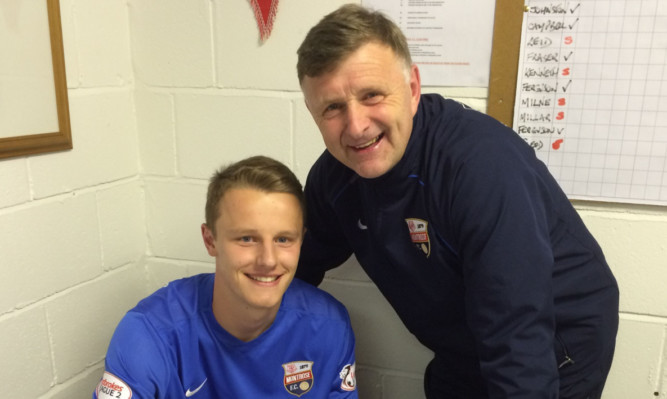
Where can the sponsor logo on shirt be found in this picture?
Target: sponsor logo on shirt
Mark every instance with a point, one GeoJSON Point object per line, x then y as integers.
{"type": "Point", "coordinates": [419, 235]}
{"type": "Point", "coordinates": [348, 377]}
{"type": "Point", "coordinates": [298, 377]}
{"type": "Point", "coordinates": [112, 387]}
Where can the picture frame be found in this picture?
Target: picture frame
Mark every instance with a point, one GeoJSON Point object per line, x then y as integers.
{"type": "Point", "coordinates": [36, 108]}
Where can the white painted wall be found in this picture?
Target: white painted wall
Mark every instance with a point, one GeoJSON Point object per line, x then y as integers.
{"type": "Point", "coordinates": [72, 224]}
{"type": "Point", "coordinates": [161, 93]}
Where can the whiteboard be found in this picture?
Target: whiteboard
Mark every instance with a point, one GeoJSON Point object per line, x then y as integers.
{"type": "Point", "coordinates": [27, 96]}
{"type": "Point", "coordinates": [591, 96]}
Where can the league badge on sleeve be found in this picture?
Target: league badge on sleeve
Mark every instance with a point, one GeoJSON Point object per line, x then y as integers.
{"type": "Point", "coordinates": [348, 377]}
{"type": "Point", "coordinates": [112, 387]}
{"type": "Point", "coordinates": [298, 377]}
{"type": "Point", "coordinates": [419, 235]}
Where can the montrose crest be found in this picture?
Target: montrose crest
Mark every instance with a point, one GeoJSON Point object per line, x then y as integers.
{"type": "Point", "coordinates": [419, 235]}
{"type": "Point", "coordinates": [298, 377]}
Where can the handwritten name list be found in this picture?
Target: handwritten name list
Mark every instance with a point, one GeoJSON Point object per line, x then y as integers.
{"type": "Point", "coordinates": [592, 96]}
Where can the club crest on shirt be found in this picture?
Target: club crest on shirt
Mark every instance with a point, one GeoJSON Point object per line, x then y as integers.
{"type": "Point", "coordinates": [419, 235]}
{"type": "Point", "coordinates": [298, 377]}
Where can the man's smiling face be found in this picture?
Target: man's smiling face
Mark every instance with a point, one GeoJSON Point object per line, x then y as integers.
{"type": "Point", "coordinates": [364, 108]}
{"type": "Point", "coordinates": [256, 247]}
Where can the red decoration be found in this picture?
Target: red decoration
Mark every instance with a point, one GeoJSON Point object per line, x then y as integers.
{"type": "Point", "coordinates": [265, 13]}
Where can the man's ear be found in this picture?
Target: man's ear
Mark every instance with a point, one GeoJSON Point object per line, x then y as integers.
{"type": "Point", "coordinates": [415, 87]}
{"type": "Point", "coordinates": [209, 240]}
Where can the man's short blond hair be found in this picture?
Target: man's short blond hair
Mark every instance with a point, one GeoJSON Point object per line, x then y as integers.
{"type": "Point", "coordinates": [258, 172]}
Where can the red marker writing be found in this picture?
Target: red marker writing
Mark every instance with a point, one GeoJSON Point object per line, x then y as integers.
{"type": "Point", "coordinates": [556, 144]}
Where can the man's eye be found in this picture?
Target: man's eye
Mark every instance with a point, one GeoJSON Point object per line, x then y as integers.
{"type": "Point", "coordinates": [245, 239]}
{"type": "Point", "coordinates": [332, 110]}
{"type": "Point", "coordinates": [373, 97]}
{"type": "Point", "coordinates": [282, 240]}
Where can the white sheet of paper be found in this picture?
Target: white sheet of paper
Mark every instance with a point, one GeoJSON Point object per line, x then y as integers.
{"type": "Point", "coordinates": [450, 41]}
{"type": "Point", "coordinates": [591, 93]}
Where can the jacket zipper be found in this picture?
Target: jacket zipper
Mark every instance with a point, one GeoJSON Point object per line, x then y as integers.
{"type": "Point", "coordinates": [567, 360]}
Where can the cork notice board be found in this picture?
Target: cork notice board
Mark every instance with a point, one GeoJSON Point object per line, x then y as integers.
{"type": "Point", "coordinates": [505, 59]}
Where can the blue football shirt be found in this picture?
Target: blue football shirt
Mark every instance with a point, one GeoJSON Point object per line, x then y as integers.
{"type": "Point", "coordinates": [171, 346]}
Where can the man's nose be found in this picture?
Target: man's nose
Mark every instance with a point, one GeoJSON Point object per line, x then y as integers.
{"type": "Point", "coordinates": [357, 119]}
{"type": "Point", "coordinates": [267, 255]}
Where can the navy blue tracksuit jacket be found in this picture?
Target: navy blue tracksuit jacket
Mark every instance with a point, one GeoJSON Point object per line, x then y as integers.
{"type": "Point", "coordinates": [478, 250]}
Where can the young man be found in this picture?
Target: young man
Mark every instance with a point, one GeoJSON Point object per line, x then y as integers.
{"type": "Point", "coordinates": [249, 330]}
{"type": "Point", "coordinates": [460, 226]}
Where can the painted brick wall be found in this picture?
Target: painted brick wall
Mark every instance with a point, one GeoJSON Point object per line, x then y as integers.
{"type": "Point", "coordinates": [72, 224]}
{"type": "Point", "coordinates": [161, 93]}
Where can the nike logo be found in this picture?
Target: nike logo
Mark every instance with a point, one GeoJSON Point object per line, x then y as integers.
{"type": "Point", "coordinates": [361, 226]}
{"type": "Point", "coordinates": [189, 393]}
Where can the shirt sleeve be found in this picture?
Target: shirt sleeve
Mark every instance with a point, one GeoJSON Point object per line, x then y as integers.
{"type": "Point", "coordinates": [135, 364]}
{"type": "Point", "coordinates": [324, 245]}
{"type": "Point", "coordinates": [344, 384]}
{"type": "Point", "coordinates": [501, 216]}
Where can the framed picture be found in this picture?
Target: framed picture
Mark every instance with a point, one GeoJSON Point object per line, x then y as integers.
{"type": "Point", "coordinates": [34, 110]}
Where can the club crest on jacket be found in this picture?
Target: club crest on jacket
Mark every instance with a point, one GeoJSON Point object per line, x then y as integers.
{"type": "Point", "coordinates": [419, 235]}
